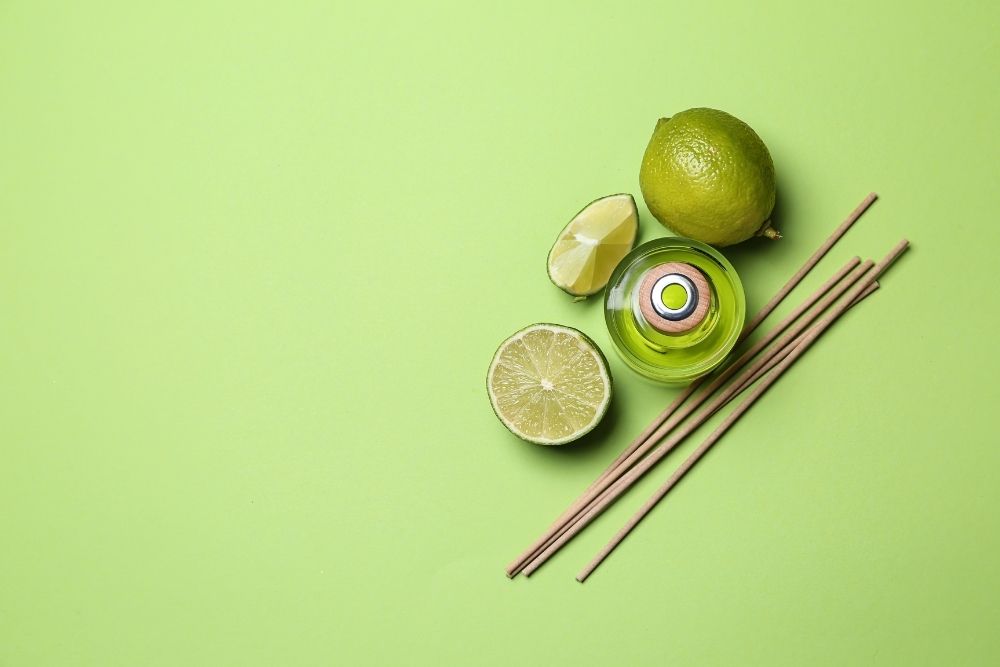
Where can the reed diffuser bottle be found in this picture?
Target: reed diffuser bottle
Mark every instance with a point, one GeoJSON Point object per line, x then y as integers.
{"type": "Point", "coordinates": [674, 309]}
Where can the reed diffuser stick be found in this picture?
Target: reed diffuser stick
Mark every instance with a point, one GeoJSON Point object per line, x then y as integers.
{"type": "Point", "coordinates": [856, 294]}
{"type": "Point", "coordinates": [827, 294]}
{"type": "Point", "coordinates": [757, 319]}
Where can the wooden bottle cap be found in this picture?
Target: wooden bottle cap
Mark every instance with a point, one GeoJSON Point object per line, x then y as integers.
{"type": "Point", "coordinates": [691, 313]}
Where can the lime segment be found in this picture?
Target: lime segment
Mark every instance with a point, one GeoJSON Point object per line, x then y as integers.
{"type": "Point", "coordinates": [591, 245]}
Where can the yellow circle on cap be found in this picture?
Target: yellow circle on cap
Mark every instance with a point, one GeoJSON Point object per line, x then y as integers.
{"type": "Point", "coordinates": [674, 297]}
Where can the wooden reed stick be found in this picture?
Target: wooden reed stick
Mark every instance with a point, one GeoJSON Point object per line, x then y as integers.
{"type": "Point", "coordinates": [614, 485]}
{"type": "Point", "coordinates": [730, 419]}
{"type": "Point", "coordinates": [859, 292]}
{"type": "Point", "coordinates": [514, 567]}
{"type": "Point", "coordinates": [810, 263]}
{"type": "Point", "coordinates": [599, 487]}
{"type": "Point", "coordinates": [756, 321]}
{"type": "Point", "coordinates": [826, 295]}
{"type": "Point", "coordinates": [775, 357]}
{"type": "Point", "coordinates": [796, 322]}
{"type": "Point", "coordinates": [691, 388]}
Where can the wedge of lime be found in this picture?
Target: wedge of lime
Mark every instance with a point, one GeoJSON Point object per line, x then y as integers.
{"type": "Point", "coordinates": [549, 384]}
{"type": "Point", "coordinates": [591, 245]}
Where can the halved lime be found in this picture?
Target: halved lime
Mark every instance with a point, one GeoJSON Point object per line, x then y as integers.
{"type": "Point", "coordinates": [591, 245]}
{"type": "Point", "coordinates": [549, 384]}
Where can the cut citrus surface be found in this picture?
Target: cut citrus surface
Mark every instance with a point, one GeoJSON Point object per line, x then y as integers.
{"type": "Point", "coordinates": [549, 384]}
{"type": "Point", "coordinates": [591, 245]}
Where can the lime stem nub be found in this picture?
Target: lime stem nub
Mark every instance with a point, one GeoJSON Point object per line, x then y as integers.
{"type": "Point", "coordinates": [770, 232]}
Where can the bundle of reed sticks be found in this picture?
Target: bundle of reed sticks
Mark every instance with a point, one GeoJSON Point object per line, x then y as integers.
{"type": "Point", "coordinates": [752, 373]}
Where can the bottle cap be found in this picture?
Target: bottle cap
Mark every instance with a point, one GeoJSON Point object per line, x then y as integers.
{"type": "Point", "coordinates": [674, 297]}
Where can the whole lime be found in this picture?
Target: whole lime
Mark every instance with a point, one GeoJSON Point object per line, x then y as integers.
{"type": "Point", "coordinates": [708, 176]}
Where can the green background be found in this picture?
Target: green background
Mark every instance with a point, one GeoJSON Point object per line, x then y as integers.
{"type": "Point", "coordinates": [255, 258]}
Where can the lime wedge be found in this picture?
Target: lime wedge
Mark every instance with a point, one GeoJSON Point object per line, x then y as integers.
{"type": "Point", "coordinates": [549, 384]}
{"type": "Point", "coordinates": [591, 245]}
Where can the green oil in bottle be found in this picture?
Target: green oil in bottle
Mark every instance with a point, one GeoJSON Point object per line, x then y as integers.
{"type": "Point", "coordinates": [674, 309]}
